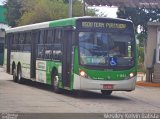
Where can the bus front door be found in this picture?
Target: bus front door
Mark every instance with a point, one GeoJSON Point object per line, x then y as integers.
{"type": "Point", "coordinates": [35, 37]}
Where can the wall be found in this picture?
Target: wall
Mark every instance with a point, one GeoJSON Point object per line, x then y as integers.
{"type": "Point", "coordinates": [151, 44]}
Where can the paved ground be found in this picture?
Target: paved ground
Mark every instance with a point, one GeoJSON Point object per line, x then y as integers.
{"type": "Point", "coordinates": [35, 98]}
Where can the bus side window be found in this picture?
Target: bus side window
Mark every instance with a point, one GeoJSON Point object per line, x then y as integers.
{"type": "Point", "coordinates": [27, 42]}
{"type": "Point", "coordinates": [15, 42]}
{"type": "Point", "coordinates": [40, 45]}
{"type": "Point", "coordinates": [57, 45]}
{"type": "Point", "coordinates": [40, 51]}
{"type": "Point", "coordinates": [49, 35]}
{"type": "Point", "coordinates": [21, 41]}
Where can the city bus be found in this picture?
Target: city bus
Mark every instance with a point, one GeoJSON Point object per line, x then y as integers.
{"type": "Point", "coordinates": [81, 53]}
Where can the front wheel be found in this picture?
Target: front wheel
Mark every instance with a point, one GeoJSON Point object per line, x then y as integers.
{"type": "Point", "coordinates": [55, 84]}
{"type": "Point", "coordinates": [106, 92]}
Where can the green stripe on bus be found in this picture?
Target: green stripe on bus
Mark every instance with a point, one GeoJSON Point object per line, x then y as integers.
{"type": "Point", "coordinates": [63, 22]}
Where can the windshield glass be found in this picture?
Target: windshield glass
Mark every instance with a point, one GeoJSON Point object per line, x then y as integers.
{"type": "Point", "coordinates": [106, 49]}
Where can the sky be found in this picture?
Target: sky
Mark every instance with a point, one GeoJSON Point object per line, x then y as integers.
{"type": "Point", "coordinates": [107, 11]}
{"type": "Point", "coordinates": [1, 1]}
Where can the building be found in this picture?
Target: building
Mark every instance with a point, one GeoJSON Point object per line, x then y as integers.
{"type": "Point", "coordinates": [152, 52]}
{"type": "Point", "coordinates": [3, 22]}
{"type": "Point", "coordinates": [3, 27]}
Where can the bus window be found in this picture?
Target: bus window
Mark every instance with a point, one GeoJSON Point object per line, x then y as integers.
{"type": "Point", "coordinates": [58, 36]}
{"type": "Point", "coordinates": [16, 39]}
{"type": "Point", "coordinates": [27, 42]}
{"type": "Point", "coordinates": [48, 51]}
{"type": "Point", "coordinates": [57, 45]}
{"type": "Point", "coordinates": [40, 51]}
{"type": "Point", "coordinates": [40, 45]}
{"type": "Point", "coordinates": [57, 51]}
{"type": "Point", "coordinates": [22, 38]}
{"type": "Point", "coordinates": [15, 42]}
{"type": "Point", "coordinates": [41, 39]}
{"type": "Point", "coordinates": [28, 38]}
{"type": "Point", "coordinates": [50, 36]}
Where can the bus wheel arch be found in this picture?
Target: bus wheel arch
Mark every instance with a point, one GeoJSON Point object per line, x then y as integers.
{"type": "Point", "coordinates": [55, 80]}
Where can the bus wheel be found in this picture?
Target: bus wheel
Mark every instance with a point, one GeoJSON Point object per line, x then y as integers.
{"type": "Point", "coordinates": [19, 75]}
{"type": "Point", "coordinates": [14, 75]}
{"type": "Point", "coordinates": [106, 92]}
{"type": "Point", "coordinates": [55, 84]}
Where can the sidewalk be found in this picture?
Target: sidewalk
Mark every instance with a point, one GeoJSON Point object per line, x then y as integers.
{"type": "Point", "coordinates": [141, 81]}
{"type": "Point", "coordinates": [149, 84]}
{"type": "Point", "coordinates": [1, 68]}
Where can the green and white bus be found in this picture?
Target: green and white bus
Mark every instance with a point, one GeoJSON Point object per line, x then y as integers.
{"type": "Point", "coordinates": [82, 53]}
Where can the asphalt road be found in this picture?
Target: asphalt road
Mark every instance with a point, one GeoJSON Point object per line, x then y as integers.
{"type": "Point", "coordinates": [36, 98]}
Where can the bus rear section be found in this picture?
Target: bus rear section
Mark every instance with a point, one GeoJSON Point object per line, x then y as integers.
{"type": "Point", "coordinates": [106, 55]}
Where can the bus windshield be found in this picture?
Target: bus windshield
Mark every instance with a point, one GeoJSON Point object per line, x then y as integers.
{"type": "Point", "coordinates": [106, 49]}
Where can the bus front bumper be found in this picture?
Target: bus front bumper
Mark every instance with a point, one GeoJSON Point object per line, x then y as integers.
{"type": "Point", "coordinates": [81, 83]}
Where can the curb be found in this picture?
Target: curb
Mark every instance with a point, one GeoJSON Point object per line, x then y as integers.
{"type": "Point", "coordinates": [148, 84]}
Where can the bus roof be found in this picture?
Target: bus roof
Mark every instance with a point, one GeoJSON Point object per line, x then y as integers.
{"type": "Point", "coordinates": [55, 23]}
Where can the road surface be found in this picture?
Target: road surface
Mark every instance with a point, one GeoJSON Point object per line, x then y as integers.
{"type": "Point", "coordinates": [35, 98]}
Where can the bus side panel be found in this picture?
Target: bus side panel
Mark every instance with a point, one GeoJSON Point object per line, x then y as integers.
{"type": "Point", "coordinates": [25, 64]}
{"type": "Point", "coordinates": [41, 71]}
{"type": "Point", "coordinates": [44, 70]}
{"type": "Point", "coordinates": [75, 81]}
{"type": "Point", "coordinates": [24, 60]}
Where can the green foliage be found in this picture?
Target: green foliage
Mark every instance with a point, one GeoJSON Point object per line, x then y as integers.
{"type": "Point", "coordinates": [140, 18]}
{"type": "Point", "coordinates": [78, 9]}
{"type": "Point", "coordinates": [42, 10]}
{"type": "Point", "coordinates": [141, 54]}
{"type": "Point", "coordinates": [23, 12]}
{"type": "Point", "coordinates": [13, 11]}
{"type": "Point", "coordinates": [140, 59]}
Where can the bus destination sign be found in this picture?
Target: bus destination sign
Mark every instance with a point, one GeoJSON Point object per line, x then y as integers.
{"type": "Point", "coordinates": [103, 25]}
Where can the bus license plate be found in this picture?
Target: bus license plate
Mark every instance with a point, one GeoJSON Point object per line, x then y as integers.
{"type": "Point", "coordinates": [107, 86]}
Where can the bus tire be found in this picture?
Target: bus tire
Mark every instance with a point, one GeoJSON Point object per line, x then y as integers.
{"type": "Point", "coordinates": [106, 92]}
{"type": "Point", "coordinates": [19, 74]}
{"type": "Point", "coordinates": [14, 75]}
{"type": "Point", "coordinates": [54, 81]}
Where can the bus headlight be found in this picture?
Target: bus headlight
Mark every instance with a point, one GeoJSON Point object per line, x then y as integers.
{"type": "Point", "coordinates": [131, 75]}
{"type": "Point", "coordinates": [83, 74]}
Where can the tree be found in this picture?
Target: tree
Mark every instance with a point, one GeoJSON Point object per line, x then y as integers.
{"type": "Point", "coordinates": [78, 9]}
{"type": "Point", "coordinates": [46, 10]}
{"type": "Point", "coordinates": [41, 11]}
{"type": "Point", "coordinates": [13, 11]}
{"type": "Point", "coordinates": [140, 18]}
{"type": "Point", "coordinates": [23, 12]}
